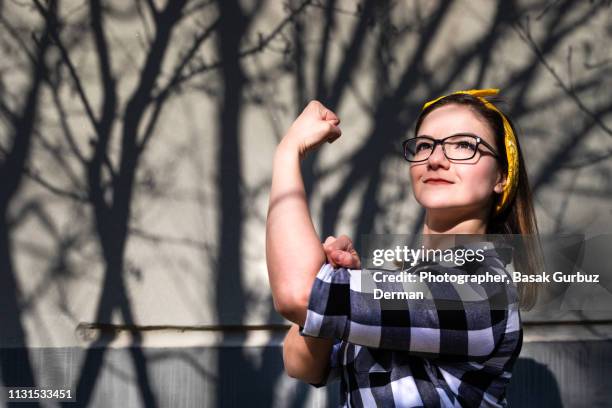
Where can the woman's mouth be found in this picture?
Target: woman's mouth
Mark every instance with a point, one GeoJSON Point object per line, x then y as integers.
{"type": "Point", "coordinates": [437, 181]}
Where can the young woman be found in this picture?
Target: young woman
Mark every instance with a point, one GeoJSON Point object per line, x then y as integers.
{"type": "Point", "coordinates": [467, 171]}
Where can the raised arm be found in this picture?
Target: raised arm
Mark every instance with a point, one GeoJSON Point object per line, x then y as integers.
{"type": "Point", "coordinates": [294, 253]}
{"type": "Point", "coordinates": [311, 359]}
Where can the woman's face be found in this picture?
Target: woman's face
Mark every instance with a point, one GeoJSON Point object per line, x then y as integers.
{"type": "Point", "coordinates": [468, 184]}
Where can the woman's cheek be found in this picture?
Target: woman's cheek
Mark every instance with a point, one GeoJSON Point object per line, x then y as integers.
{"type": "Point", "coordinates": [415, 173]}
{"type": "Point", "coordinates": [477, 182]}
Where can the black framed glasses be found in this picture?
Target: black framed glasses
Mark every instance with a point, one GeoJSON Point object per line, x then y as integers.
{"type": "Point", "coordinates": [462, 146]}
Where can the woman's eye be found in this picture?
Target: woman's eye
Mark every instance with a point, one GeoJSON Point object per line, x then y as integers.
{"type": "Point", "coordinates": [423, 146]}
{"type": "Point", "coordinates": [465, 145]}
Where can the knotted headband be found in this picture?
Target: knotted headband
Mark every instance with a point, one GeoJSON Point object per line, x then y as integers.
{"type": "Point", "coordinates": [509, 140]}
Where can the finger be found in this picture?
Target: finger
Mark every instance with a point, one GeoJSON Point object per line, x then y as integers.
{"type": "Point", "coordinates": [332, 131]}
{"type": "Point", "coordinates": [337, 256]}
{"type": "Point", "coordinates": [345, 259]}
{"type": "Point", "coordinates": [330, 259]}
{"type": "Point", "coordinates": [346, 238]}
{"type": "Point", "coordinates": [343, 242]}
{"type": "Point", "coordinates": [323, 113]}
{"type": "Point", "coordinates": [333, 245]}
{"type": "Point", "coordinates": [356, 261]}
{"type": "Point", "coordinates": [332, 140]}
{"type": "Point", "coordinates": [329, 240]}
{"type": "Point", "coordinates": [328, 115]}
{"type": "Point", "coordinates": [327, 247]}
{"type": "Point", "coordinates": [341, 257]}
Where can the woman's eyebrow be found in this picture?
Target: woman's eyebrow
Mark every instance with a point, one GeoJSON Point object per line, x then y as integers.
{"type": "Point", "coordinates": [454, 134]}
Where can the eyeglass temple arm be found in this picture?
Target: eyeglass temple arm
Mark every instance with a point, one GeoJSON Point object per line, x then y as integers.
{"type": "Point", "coordinates": [491, 148]}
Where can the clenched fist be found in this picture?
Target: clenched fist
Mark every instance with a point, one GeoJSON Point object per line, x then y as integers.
{"type": "Point", "coordinates": [341, 253]}
{"type": "Point", "coordinates": [315, 125]}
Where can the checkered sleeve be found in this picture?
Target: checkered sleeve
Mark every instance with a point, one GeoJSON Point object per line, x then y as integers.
{"type": "Point", "coordinates": [446, 324]}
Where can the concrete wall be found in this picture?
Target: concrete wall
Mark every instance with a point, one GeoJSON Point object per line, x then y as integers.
{"type": "Point", "coordinates": [172, 252]}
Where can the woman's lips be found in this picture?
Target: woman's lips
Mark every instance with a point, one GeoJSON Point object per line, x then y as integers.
{"type": "Point", "coordinates": [437, 181]}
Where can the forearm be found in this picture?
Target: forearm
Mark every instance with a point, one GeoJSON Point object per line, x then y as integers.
{"type": "Point", "coordinates": [294, 253]}
{"type": "Point", "coordinates": [306, 358]}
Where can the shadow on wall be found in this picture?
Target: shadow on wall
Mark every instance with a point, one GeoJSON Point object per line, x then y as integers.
{"type": "Point", "coordinates": [106, 188]}
{"type": "Point", "coordinates": [533, 385]}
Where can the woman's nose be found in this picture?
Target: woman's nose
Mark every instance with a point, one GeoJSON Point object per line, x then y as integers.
{"type": "Point", "coordinates": [437, 157]}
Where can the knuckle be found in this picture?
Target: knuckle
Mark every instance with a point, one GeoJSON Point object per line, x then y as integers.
{"type": "Point", "coordinates": [326, 127]}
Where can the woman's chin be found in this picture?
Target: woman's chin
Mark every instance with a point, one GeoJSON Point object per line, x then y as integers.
{"type": "Point", "coordinates": [441, 205]}
{"type": "Point", "coordinates": [438, 203]}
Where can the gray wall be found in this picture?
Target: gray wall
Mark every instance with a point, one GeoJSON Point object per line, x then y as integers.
{"type": "Point", "coordinates": [136, 161]}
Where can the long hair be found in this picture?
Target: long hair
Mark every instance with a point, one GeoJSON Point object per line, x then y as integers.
{"type": "Point", "coordinates": [519, 216]}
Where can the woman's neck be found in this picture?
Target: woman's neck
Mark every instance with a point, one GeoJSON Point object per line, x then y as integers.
{"type": "Point", "coordinates": [443, 225]}
{"type": "Point", "coordinates": [441, 222]}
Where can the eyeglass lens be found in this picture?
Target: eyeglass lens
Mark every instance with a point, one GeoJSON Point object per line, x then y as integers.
{"type": "Point", "coordinates": [459, 147]}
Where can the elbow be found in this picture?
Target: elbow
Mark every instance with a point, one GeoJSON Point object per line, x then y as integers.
{"type": "Point", "coordinates": [299, 370]}
{"type": "Point", "coordinates": [293, 370]}
{"type": "Point", "coordinates": [292, 306]}
{"type": "Point", "coordinates": [303, 375]}
{"type": "Point", "coordinates": [291, 357]}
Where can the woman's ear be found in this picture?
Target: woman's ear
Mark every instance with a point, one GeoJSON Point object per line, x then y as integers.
{"type": "Point", "coordinates": [500, 183]}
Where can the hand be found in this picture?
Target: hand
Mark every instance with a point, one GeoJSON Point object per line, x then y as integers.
{"type": "Point", "coordinates": [315, 125]}
{"type": "Point", "coordinates": [340, 252]}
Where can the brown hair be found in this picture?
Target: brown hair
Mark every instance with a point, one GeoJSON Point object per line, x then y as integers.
{"type": "Point", "coordinates": [519, 216]}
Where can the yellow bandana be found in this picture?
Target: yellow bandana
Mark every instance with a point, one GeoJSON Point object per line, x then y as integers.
{"type": "Point", "coordinates": [509, 140]}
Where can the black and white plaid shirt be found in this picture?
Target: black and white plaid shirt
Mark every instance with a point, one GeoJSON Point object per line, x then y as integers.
{"type": "Point", "coordinates": [425, 353]}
